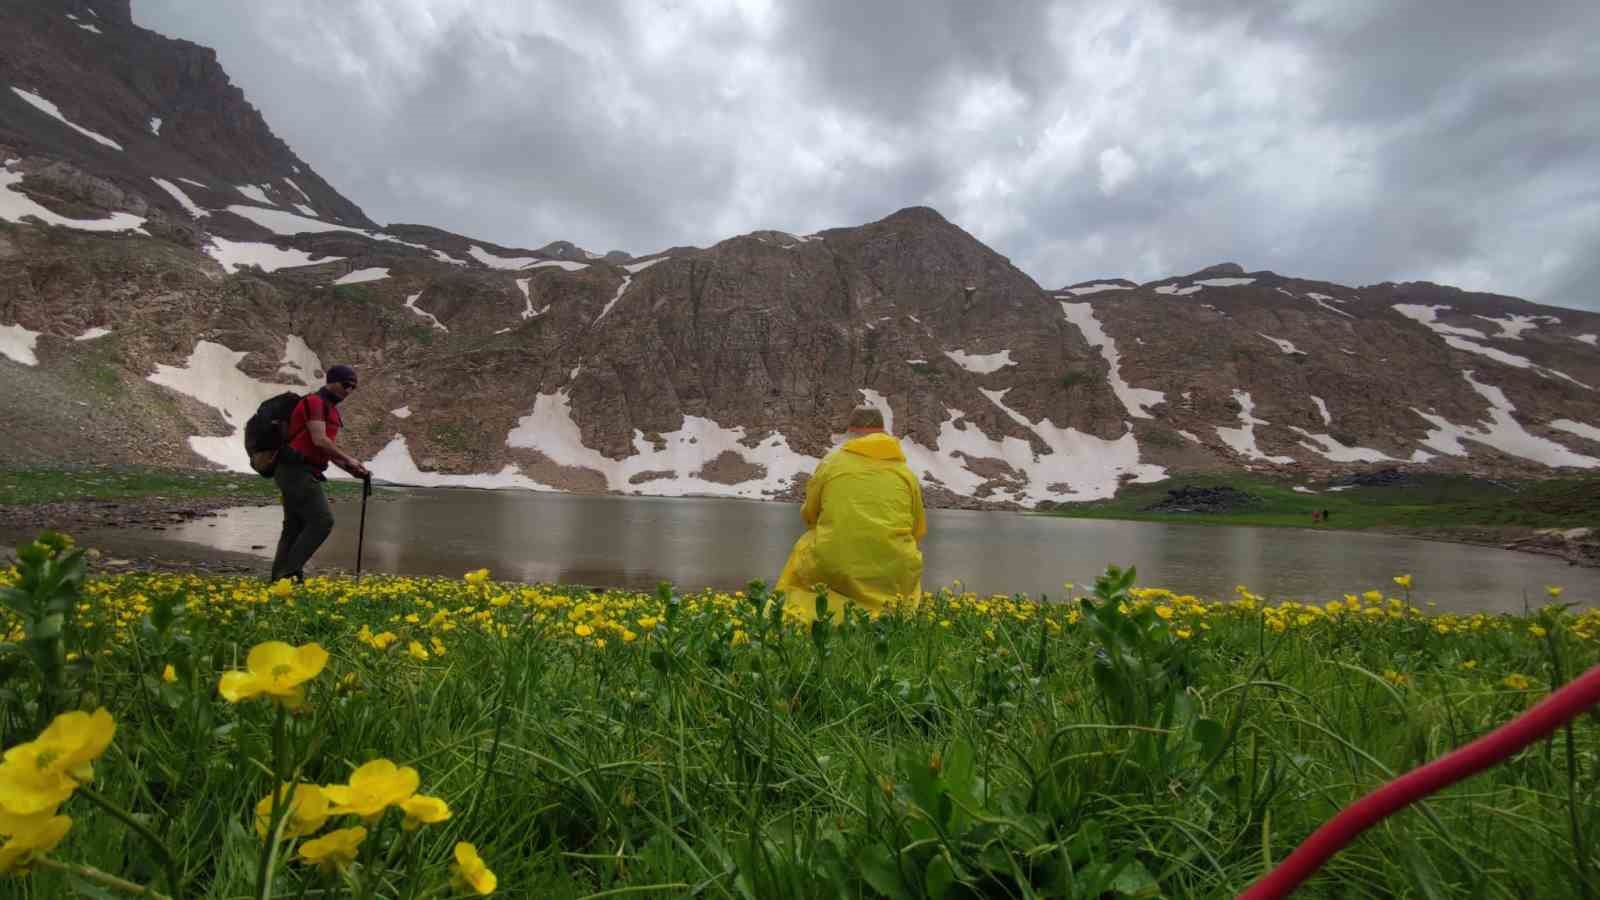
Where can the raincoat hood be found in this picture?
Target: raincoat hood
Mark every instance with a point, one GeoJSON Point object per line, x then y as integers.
{"type": "Point", "coordinates": [878, 445]}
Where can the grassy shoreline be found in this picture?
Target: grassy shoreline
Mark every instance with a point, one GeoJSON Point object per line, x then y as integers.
{"type": "Point", "coordinates": [585, 742]}
{"type": "Point", "coordinates": [1436, 503]}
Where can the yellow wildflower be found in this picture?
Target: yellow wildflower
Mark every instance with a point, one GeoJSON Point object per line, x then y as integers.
{"type": "Point", "coordinates": [1164, 612]}
{"type": "Point", "coordinates": [373, 787]}
{"type": "Point", "coordinates": [307, 811]}
{"type": "Point", "coordinates": [1537, 631]}
{"type": "Point", "coordinates": [281, 588]}
{"type": "Point", "coordinates": [421, 810]}
{"type": "Point", "coordinates": [1404, 581]}
{"type": "Point", "coordinates": [1553, 590]}
{"type": "Point", "coordinates": [30, 836]}
{"type": "Point", "coordinates": [276, 670]}
{"type": "Point", "coordinates": [471, 872]}
{"type": "Point", "coordinates": [1517, 682]}
{"type": "Point", "coordinates": [1469, 664]}
{"type": "Point", "coordinates": [1373, 596]}
{"type": "Point", "coordinates": [583, 631]}
{"type": "Point", "coordinates": [1184, 633]}
{"type": "Point", "coordinates": [417, 651]}
{"type": "Point", "coordinates": [38, 776]}
{"type": "Point", "coordinates": [1396, 678]}
{"type": "Point", "coordinates": [649, 623]}
{"type": "Point", "coordinates": [169, 674]}
{"type": "Point", "coordinates": [478, 576]}
{"type": "Point", "coordinates": [334, 850]}
{"type": "Point", "coordinates": [628, 636]}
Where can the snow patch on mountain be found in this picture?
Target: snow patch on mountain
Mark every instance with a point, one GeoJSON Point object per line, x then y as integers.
{"type": "Point", "coordinates": [291, 183]}
{"type": "Point", "coordinates": [1428, 317]}
{"type": "Point", "coordinates": [1592, 340]}
{"type": "Point", "coordinates": [17, 343]}
{"type": "Point", "coordinates": [1425, 315]}
{"type": "Point", "coordinates": [1282, 344]}
{"type": "Point", "coordinates": [636, 268]}
{"type": "Point", "coordinates": [212, 376]}
{"type": "Point", "coordinates": [981, 363]}
{"type": "Point", "coordinates": [626, 280]}
{"type": "Point", "coordinates": [1322, 409]}
{"type": "Point", "coordinates": [1513, 325]}
{"type": "Point", "coordinates": [551, 430]}
{"type": "Point", "coordinates": [394, 464]}
{"type": "Point", "coordinates": [1226, 282]}
{"type": "Point", "coordinates": [1501, 431]}
{"type": "Point", "coordinates": [255, 193]}
{"type": "Point", "coordinates": [16, 206]}
{"type": "Point", "coordinates": [54, 112]}
{"type": "Point", "coordinates": [93, 334]}
{"type": "Point", "coordinates": [403, 412]}
{"type": "Point", "coordinates": [90, 28]}
{"type": "Point", "coordinates": [1243, 438]}
{"type": "Point", "coordinates": [498, 262]}
{"type": "Point", "coordinates": [155, 125]}
{"type": "Point", "coordinates": [1096, 288]}
{"type": "Point", "coordinates": [411, 304]}
{"type": "Point", "coordinates": [361, 276]}
{"type": "Point", "coordinates": [1134, 400]}
{"type": "Point", "coordinates": [234, 255]}
{"type": "Point", "coordinates": [1578, 428]}
{"type": "Point", "coordinates": [1190, 435]}
{"type": "Point", "coordinates": [1334, 450]}
{"type": "Point", "coordinates": [177, 194]}
{"type": "Point", "coordinates": [1173, 289]}
{"type": "Point", "coordinates": [565, 265]}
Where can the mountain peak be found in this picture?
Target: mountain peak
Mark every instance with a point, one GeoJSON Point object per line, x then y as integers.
{"type": "Point", "coordinates": [1220, 270]}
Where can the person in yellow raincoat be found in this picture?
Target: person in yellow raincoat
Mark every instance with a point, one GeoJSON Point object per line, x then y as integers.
{"type": "Point", "coordinates": [864, 521]}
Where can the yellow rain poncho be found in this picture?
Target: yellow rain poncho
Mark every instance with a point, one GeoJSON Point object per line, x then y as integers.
{"type": "Point", "coordinates": [864, 518]}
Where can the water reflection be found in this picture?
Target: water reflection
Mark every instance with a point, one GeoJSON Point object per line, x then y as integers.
{"type": "Point", "coordinates": [636, 542]}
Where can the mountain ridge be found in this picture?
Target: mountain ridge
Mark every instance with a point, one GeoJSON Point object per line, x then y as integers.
{"type": "Point", "coordinates": [152, 294]}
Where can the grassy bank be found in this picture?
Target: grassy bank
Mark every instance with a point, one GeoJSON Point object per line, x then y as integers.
{"type": "Point", "coordinates": [37, 485]}
{"type": "Point", "coordinates": [1426, 502]}
{"type": "Point", "coordinates": [618, 744]}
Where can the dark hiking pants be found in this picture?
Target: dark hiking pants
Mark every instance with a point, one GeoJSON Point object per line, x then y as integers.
{"type": "Point", "coordinates": [307, 519]}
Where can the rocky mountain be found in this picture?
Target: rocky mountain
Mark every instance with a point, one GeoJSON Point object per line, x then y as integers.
{"type": "Point", "coordinates": [166, 263]}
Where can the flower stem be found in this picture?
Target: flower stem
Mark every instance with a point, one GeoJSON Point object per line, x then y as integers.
{"type": "Point", "coordinates": [92, 874]}
{"type": "Point", "coordinates": [168, 862]}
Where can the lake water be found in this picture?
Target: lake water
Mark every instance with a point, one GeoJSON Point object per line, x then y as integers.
{"type": "Point", "coordinates": [636, 542]}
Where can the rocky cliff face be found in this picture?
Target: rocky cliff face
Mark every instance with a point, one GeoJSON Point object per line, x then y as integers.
{"type": "Point", "coordinates": [166, 263]}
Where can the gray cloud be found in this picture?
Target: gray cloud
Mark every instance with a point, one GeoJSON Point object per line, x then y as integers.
{"type": "Point", "coordinates": [1351, 140]}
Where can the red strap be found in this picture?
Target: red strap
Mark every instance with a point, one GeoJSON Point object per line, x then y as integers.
{"type": "Point", "coordinates": [1493, 748]}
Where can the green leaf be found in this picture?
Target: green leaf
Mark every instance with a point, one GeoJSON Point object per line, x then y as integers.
{"type": "Point", "coordinates": [939, 877]}
{"type": "Point", "coordinates": [1210, 734]}
{"type": "Point", "coordinates": [1134, 880]}
{"type": "Point", "coordinates": [879, 869]}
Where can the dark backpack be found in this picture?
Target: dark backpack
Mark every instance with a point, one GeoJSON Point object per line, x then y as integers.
{"type": "Point", "coordinates": [267, 432]}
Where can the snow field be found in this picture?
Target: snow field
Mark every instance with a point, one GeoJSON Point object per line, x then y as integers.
{"type": "Point", "coordinates": [981, 363]}
{"type": "Point", "coordinates": [626, 280]}
{"type": "Point", "coordinates": [361, 276]}
{"type": "Point", "coordinates": [54, 112]}
{"type": "Point", "coordinates": [1322, 409]}
{"type": "Point", "coordinates": [234, 255]}
{"type": "Point", "coordinates": [1282, 344]}
{"type": "Point", "coordinates": [17, 343]}
{"type": "Point", "coordinates": [1096, 288]}
{"type": "Point", "coordinates": [411, 304]}
{"type": "Point", "coordinates": [93, 334]}
{"type": "Point", "coordinates": [15, 206]}
{"type": "Point", "coordinates": [550, 429]}
{"type": "Point", "coordinates": [1243, 438]}
{"type": "Point", "coordinates": [177, 194]}
{"type": "Point", "coordinates": [212, 376]}
{"type": "Point", "coordinates": [1501, 431]}
{"type": "Point", "coordinates": [1134, 400]}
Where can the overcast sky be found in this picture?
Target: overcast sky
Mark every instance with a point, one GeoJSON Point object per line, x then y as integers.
{"type": "Point", "coordinates": [1353, 140]}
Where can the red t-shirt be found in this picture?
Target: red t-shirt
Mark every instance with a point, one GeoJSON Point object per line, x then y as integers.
{"type": "Point", "coordinates": [318, 407]}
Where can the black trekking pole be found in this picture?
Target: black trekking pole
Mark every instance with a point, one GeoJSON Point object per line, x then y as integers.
{"type": "Point", "coordinates": [361, 535]}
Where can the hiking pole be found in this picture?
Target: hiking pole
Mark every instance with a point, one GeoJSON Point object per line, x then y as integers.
{"type": "Point", "coordinates": [361, 535]}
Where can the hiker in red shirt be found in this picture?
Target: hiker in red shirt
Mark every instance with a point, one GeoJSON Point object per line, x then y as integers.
{"type": "Point", "coordinates": [307, 518]}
